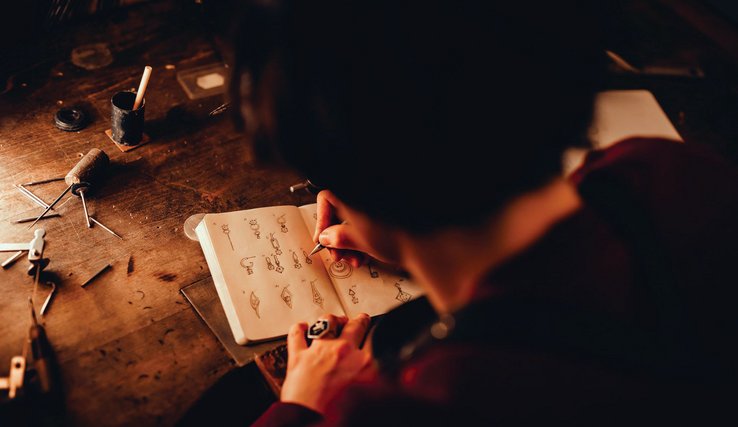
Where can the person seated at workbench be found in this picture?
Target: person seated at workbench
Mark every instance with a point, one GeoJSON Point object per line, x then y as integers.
{"type": "Point", "coordinates": [437, 129]}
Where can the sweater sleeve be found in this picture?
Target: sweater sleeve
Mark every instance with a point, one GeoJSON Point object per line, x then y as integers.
{"type": "Point", "coordinates": [287, 414]}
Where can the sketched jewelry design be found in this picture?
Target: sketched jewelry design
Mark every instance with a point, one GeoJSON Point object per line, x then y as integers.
{"type": "Point", "coordinates": [255, 226]}
{"type": "Point", "coordinates": [227, 232]}
{"type": "Point", "coordinates": [248, 265]}
{"type": "Point", "coordinates": [286, 296]}
{"type": "Point", "coordinates": [352, 294]}
{"type": "Point", "coordinates": [307, 258]}
{"type": "Point", "coordinates": [254, 300]}
{"type": "Point", "coordinates": [296, 260]}
{"type": "Point", "coordinates": [278, 267]}
{"type": "Point", "coordinates": [340, 270]}
{"type": "Point", "coordinates": [402, 295]}
{"type": "Point", "coordinates": [282, 221]}
{"type": "Point", "coordinates": [270, 266]}
{"type": "Point", "coordinates": [275, 244]}
{"type": "Point", "coordinates": [317, 298]}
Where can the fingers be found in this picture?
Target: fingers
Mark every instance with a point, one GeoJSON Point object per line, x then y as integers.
{"type": "Point", "coordinates": [338, 236]}
{"type": "Point", "coordinates": [336, 323]}
{"type": "Point", "coordinates": [355, 258]}
{"type": "Point", "coordinates": [296, 338]}
{"type": "Point", "coordinates": [355, 329]}
{"type": "Point", "coordinates": [326, 213]}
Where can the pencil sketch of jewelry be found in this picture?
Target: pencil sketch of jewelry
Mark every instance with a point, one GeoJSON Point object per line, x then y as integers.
{"type": "Point", "coordinates": [340, 270]}
{"type": "Point", "coordinates": [248, 265]}
{"type": "Point", "coordinates": [255, 226]}
{"type": "Point", "coordinates": [282, 221]}
{"type": "Point", "coordinates": [352, 294]}
{"type": "Point", "coordinates": [254, 300]}
{"type": "Point", "coordinates": [307, 257]}
{"type": "Point", "coordinates": [296, 260]}
{"type": "Point", "coordinates": [270, 266]}
{"type": "Point", "coordinates": [286, 296]}
{"type": "Point", "coordinates": [275, 244]}
{"type": "Point", "coordinates": [402, 295]}
{"type": "Point", "coordinates": [317, 298]}
{"type": "Point", "coordinates": [278, 267]}
{"type": "Point", "coordinates": [227, 232]}
{"type": "Point", "coordinates": [315, 216]}
{"type": "Point", "coordinates": [374, 274]}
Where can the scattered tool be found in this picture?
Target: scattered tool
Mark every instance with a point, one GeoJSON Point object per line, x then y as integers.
{"type": "Point", "coordinates": [95, 276]}
{"type": "Point", "coordinates": [106, 228]}
{"type": "Point", "coordinates": [41, 352]}
{"type": "Point", "coordinates": [36, 245]}
{"type": "Point", "coordinates": [219, 109]}
{"type": "Point", "coordinates": [90, 167]}
{"type": "Point", "coordinates": [38, 350]}
{"type": "Point", "coordinates": [43, 204]}
{"type": "Point", "coordinates": [37, 200]}
{"type": "Point", "coordinates": [14, 381]}
{"type": "Point", "coordinates": [15, 257]}
{"type": "Point", "coordinates": [32, 247]}
{"type": "Point", "coordinates": [32, 218]}
{"type": "Point", "coordinates": [38, 264]}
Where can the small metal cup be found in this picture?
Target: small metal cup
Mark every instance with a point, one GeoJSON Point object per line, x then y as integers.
{"type": "Point", "coordinates": [127, 124]}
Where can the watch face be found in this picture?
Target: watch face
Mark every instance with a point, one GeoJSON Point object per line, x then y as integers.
{"type": "Point", "coordinates": [317, 329]}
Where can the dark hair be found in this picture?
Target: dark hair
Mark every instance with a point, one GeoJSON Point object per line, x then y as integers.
{"type": "Point", "coordinates": [403, 109]}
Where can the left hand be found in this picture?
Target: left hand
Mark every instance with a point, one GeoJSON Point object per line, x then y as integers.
{"type": "Point", "coordinates": [316, 374]}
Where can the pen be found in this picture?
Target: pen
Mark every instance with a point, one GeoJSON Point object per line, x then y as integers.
{"type": "Point", "coordinates": [320, 247]}
{"type": "Point", "coordinates": [317, 249]}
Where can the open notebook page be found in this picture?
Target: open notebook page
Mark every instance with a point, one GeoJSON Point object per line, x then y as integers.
{"type": "Point", "coordinates": [264, 279]}
{"type": "Point", "coordinates": [373, 289]}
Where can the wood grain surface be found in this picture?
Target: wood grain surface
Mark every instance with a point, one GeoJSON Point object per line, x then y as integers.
{"type": "Point", "coordinates": [131, 349]}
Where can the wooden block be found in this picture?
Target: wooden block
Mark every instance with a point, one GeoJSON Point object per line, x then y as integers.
{"type": "Point", "coordinates": [126, 148]}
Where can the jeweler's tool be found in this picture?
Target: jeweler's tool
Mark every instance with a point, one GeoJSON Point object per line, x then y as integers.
{"type": "Point", "coordinates": [91, 166]}
{"type": "Point", "coordinates": [15, 257]}
{"type": "Point", "coordinates": [35, 199]}
{"type": "Point", "coordinates": [79, 190]}
{"type": "Point", "coordinates": [32, 218]}
{"type": "Point", "coordinates": [36, 245]}
{"type": "Point", "coordinates": [94, 276]}
{"type": "Point", "coordinates": [41, 352]}
{"type": "Point", "coordinates": [105, 228]}
{"type": "Point", "coordinates": [46, 303]}
{"type": "Point", "coordinates": [14, 381]}
{"type": "Point", "coordinates": [43, 181]}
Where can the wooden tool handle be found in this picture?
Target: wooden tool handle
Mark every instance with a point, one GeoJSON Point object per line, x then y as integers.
{"type": "Point", "coordinates": [142, 87]}
{"type": "Point", "coordinates": [92, 165]}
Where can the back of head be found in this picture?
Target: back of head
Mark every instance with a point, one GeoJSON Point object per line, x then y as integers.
{"type": "Point", "coordinates": [403, 109]}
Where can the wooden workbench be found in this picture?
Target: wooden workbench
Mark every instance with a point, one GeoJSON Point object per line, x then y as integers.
{"type": "Point", "coordinates": [131, 349]}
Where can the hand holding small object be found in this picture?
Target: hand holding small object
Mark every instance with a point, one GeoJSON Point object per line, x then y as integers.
{"type": "Point", "coordinates": [316, 373]}
{"type": "Point", "coordinates": [337, 238]}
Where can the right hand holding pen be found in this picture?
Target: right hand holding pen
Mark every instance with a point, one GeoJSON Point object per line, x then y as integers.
{"type": "Point", "coordinates": [340, 239]}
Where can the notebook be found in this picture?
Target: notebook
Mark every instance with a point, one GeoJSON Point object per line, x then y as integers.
{"type": "Point", "coordinates": [266, 281]}
{"type": "Point", "coordinates": [622, 114]}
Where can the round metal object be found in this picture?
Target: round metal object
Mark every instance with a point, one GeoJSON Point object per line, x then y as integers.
{"type": "Point", "coordinates": [190, 224]}
{"type": "Point", "coordinates": [82, 186]}
{"type": "Point", "coordinates": [70, 119]}
{"type": "Point", "coordinates": [321, 329]}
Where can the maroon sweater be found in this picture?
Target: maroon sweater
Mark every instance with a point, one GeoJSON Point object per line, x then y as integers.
{"type": "Point", "coordinates": [688, 200]}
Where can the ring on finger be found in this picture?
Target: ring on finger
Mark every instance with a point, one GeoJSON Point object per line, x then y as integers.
{"type": "Point", "coordinates": [321, 329]}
